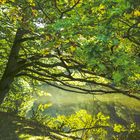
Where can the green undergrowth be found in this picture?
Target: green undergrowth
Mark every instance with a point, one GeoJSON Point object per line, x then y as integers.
{"type": "Point", "coordinates": [80, 125]}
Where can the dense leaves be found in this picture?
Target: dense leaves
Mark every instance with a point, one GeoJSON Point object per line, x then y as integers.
{"type": "Point", "coordinates": [91, 47]}
{"type": "Point", "coordinates": [65, 39]}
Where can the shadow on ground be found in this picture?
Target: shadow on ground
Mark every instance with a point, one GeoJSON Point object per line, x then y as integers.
{"type": "Point", "coordinates": [17, 128]}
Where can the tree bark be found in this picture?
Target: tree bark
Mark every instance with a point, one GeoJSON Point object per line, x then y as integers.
{"type": "Point", "coordinates": [11, 66]}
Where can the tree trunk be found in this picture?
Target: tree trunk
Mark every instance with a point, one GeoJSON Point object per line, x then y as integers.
{"type": "Point", "coordinates": [11, 66]}
{"type": "Point", "coordinates": [4, 87]}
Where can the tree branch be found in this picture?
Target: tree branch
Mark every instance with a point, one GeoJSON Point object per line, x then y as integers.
{"type": "Point", "coordinates": [67, 10]}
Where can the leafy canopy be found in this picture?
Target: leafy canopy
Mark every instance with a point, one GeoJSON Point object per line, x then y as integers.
{"type": "Point", "coordinates": [94, 42]}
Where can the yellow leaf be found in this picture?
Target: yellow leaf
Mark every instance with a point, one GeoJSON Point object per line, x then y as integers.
{"type": "Point", "coordinates": [118, 128]}
{"type": "Point", "coordinates": [31, 2]}
{"type": "Point", "coordinates": [101, 7]}
{"type": "Point", "coordinates": [2, 1]}
{"type": "Point", "coordinates": [137, 13]}
{"type": "Point", "coordinates": [34, 12]}
{"type": "Point", "coordinates": [72, 48]}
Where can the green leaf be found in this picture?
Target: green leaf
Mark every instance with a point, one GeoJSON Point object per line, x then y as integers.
{"type": "Point", "coordinates": [117, 76]}
{"type": "Point", "coordinates": [115, 41]}
{"type": "Point", "coordinates": [102, 67]}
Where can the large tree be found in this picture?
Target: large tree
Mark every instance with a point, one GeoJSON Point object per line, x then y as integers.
{"type": "Point", "coordinates": [68, 44]}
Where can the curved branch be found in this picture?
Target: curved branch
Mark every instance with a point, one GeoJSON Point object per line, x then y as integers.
{"type": "Point", "coordinates": [129, 36]}
{"type": "Point", "coordinates": [76, 89]}
{"type": "Point", "coordinates": [44, 12]}
{"type": "Point", "coordinates": [67, 10]}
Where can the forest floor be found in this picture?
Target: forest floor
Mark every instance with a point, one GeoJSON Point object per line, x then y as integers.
{"type": "Point", "coordinates": [13, 127]}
